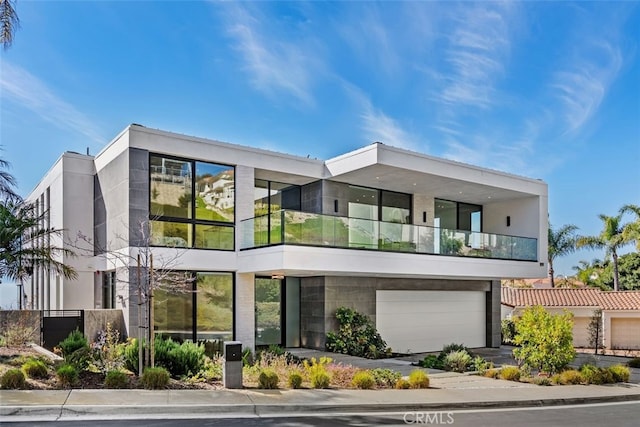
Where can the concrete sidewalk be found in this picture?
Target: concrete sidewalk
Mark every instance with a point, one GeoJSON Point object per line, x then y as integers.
{"type": "Point", "coordinates": [449, 392]}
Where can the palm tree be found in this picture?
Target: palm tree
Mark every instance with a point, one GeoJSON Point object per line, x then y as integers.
{"type": "Point", "coordinates": [561, 242]}
{"type": "Point", "coordinates": [632, 230]}
{"type": "Point", "coordinates": [7, 182]}
{"type": "Point", "coordinates": [611, 239]}
{"type": "Point", "coordinates": [9, 22]}
{"type": "Point", "coordinates": [20, 233]}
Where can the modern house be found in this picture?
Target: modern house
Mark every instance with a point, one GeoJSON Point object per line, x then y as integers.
{"type": "Point", "coordinates": [620, 319]}
{"type": "Point", "coordinates": [271, 244]}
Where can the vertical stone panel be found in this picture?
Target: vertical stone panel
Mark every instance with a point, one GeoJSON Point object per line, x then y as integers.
{"type": "Point", "coordinates": [245, 319]}
{"type": "Point", "coordinates": [311, 197]}
{"type": "Point", "coordinates": [312, 313]}
{"type": "Point", "coordinates": [332, 192]}
{"type": "Point", "coordinates": [494, 330]}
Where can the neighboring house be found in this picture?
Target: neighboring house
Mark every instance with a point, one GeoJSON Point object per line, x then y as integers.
{"type": "Point", "coordinates": [275, 243]}
{"type": "Point", "coordinates": [620, 312]}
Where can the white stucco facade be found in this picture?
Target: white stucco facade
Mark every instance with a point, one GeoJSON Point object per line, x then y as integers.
{"type": "Point", "coordinates": [107, 196]}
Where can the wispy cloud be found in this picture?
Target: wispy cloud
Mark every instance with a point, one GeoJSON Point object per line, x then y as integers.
{"type": "Point", "coordinates": [474, 58]}
{"type": "Point", "coordinates": [378, 126]}
{"type": "Point", "coordinates": [28, 91]}
{"type": "Point", "coordinates": [367, 32]}
{"type": "Point", "coordinates": [582, 85]}
{"type": "Point", "coordinates": [275, 65]}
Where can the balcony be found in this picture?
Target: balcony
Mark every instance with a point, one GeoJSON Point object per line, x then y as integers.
{"type": "Point", "coordinates": [287, 227]}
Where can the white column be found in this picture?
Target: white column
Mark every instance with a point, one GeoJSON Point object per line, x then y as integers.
{"type": "Point", "coordinates": [245, 320]}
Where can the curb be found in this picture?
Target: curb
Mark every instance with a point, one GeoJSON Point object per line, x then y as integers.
{"type": "Point", "coordinates": [55, 412]}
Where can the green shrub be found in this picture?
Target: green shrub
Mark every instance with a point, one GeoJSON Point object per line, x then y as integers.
{"type": "Point", "coordinates": [432, 361]}
{"type": "Point", "coordinates": [131, 355]}
{"type": "Point", "coordinates": [545, 381]}
{"type": "Point", "coordinates": [162, 351]}
{"type": "Point", "coordinates": [457, 361]}
{"type": "Point", "coordinates": [186, 359]}
{"type": "Point", "coordinates": [317, 371]}
{"type": "Point", "coordinates": [450, 348]}
{"type": "Point", "coordinates": [571, 376]}
{"type": "Point", "coordinates": [13, 379]}
{"type": "Point", "coordinates": [356, 336]}
{"type": "Point", "coordinates": [73, 342]}
{"type": "Point", "coordinates": [492, 373]}
{"type": "Point", "coordinates": [67, 375]}
{"type": "Point", "coordinates": [620, 373]}
{"type": "Point", "coordinates": [634, 363]}
{"type": "Point", "coordinates": [212, 368]}
{"type": "Point", "coordinates": [510, 373]}
{"type": "Point", "coordinates": [295, 380]}
{"type": "Point", "coordinates": [116, 379]}
{"type": "Point", "coordinates": [555, 379]}
{"type": "Point", "coordinates": [481, 365]}
{"type": "Point", "coordinates": [79, 358]}
{"type": "Point", "coordinates": [402, 384]}
{"type": "Point", "coordinates": [35, 368]}
{"type": "Point", "coordinates": [545, 340]}
{"type": "Point", "coordinates": [385, 377]}
{"type": "Point", "coordinates": [418, 379]}
{"type": "Point", "coordinates": [320, 380]}
{"type": "Point", "coordinates": [594, 375]}
{"type": "Point", "coordinates": [508, 329]}
{"type": "Point", "coordinates": [268, 379]}
{"type": "Point", "coordinates": [155, 378]}
{"type": "Point", "coordinates": [364, 380]}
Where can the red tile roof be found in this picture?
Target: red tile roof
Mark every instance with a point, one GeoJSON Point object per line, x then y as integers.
{"type": "Point", "coordinates": [566, 297]}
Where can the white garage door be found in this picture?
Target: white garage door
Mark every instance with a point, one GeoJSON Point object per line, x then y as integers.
{"type": "Point", "coordinates": [419, 321]}
{"type": "Point", "coordinates": [625, 333]}
{"type": "Point", "coordinates": [581, 332]}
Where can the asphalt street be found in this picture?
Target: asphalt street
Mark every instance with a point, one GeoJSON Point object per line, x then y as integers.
{"type": "Point", "coordinates": [623, 414]}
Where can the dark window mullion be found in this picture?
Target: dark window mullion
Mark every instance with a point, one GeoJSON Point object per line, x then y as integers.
{"type": "Point", "coordinates": [193, 203]}
{"type": "Point", "coordinates": [194, 302]}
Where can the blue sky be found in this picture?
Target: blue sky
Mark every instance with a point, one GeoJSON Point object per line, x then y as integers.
{"type": "Point", "coordinates": [548, 90]}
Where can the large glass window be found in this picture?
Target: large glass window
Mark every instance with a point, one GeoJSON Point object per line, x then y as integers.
{"type": "Point", "coordinates": [181, 208]}
{"type": "Point", "coordinates": [214, 302]}
{"type": "Point", "coordinates": [215, 192]}
{"type": "Point", "coordinates": [396, 207]}
{"type": "Point", "coordinates": [173, 314]}
{"type": "Point", "coordinates": [200, 308]}
{"type": "Point", "coordinates": [271, 197]}
{"type": "Point", "coordinates": [458, 216]}
{"type": "Point", "coordinates": [170, 187]}
{"type": "Point", "coordinates": [173, 234]}
{"type": "Point", "coordinates": [268, 311]}
{"type": "Point", "coordinates": [109, 289]}
{"type": "Point", "coordinates": [363, 203]}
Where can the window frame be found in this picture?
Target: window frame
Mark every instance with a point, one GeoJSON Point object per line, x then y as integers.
{"type": "Point", "coordinates": [192, 221]}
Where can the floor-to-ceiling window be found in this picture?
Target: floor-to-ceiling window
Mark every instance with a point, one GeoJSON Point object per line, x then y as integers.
{"type": "Point", "coordinates": [367, 206]}
{"type": "Point", "coordinates": [268, 300]}
{"type": "Point", "coordinates": [187, 212]}
{"type": "Point", "coordinates": [459, 224]}
{"type": "Point", "coordinates": [269, 198]}
{"type": "Point", "coordinates": [200, 308]}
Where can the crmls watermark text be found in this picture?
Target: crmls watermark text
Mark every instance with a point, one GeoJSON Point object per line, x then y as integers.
{"type": "Point", "coordinates": [442, 418]}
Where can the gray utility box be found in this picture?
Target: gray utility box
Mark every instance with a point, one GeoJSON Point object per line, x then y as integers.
{"type": "Point", "coordinates": [232, 366]}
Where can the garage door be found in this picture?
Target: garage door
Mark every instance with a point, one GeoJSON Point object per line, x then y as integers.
{"type": "Point", "coordinates": [581, 332]}
{"type": "Point", "coordinates": [625, 334]}
{"type": "Point", "coordinates": [419, 321]}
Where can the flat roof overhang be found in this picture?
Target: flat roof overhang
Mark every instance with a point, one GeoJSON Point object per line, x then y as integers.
{"type": "Point", "coordinates": [394, 169]}
{"type": "Point", "coordinates": [310, 261]}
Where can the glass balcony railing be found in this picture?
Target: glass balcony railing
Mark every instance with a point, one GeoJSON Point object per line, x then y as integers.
{"type": "Point", "coordinates": [309, 229]}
